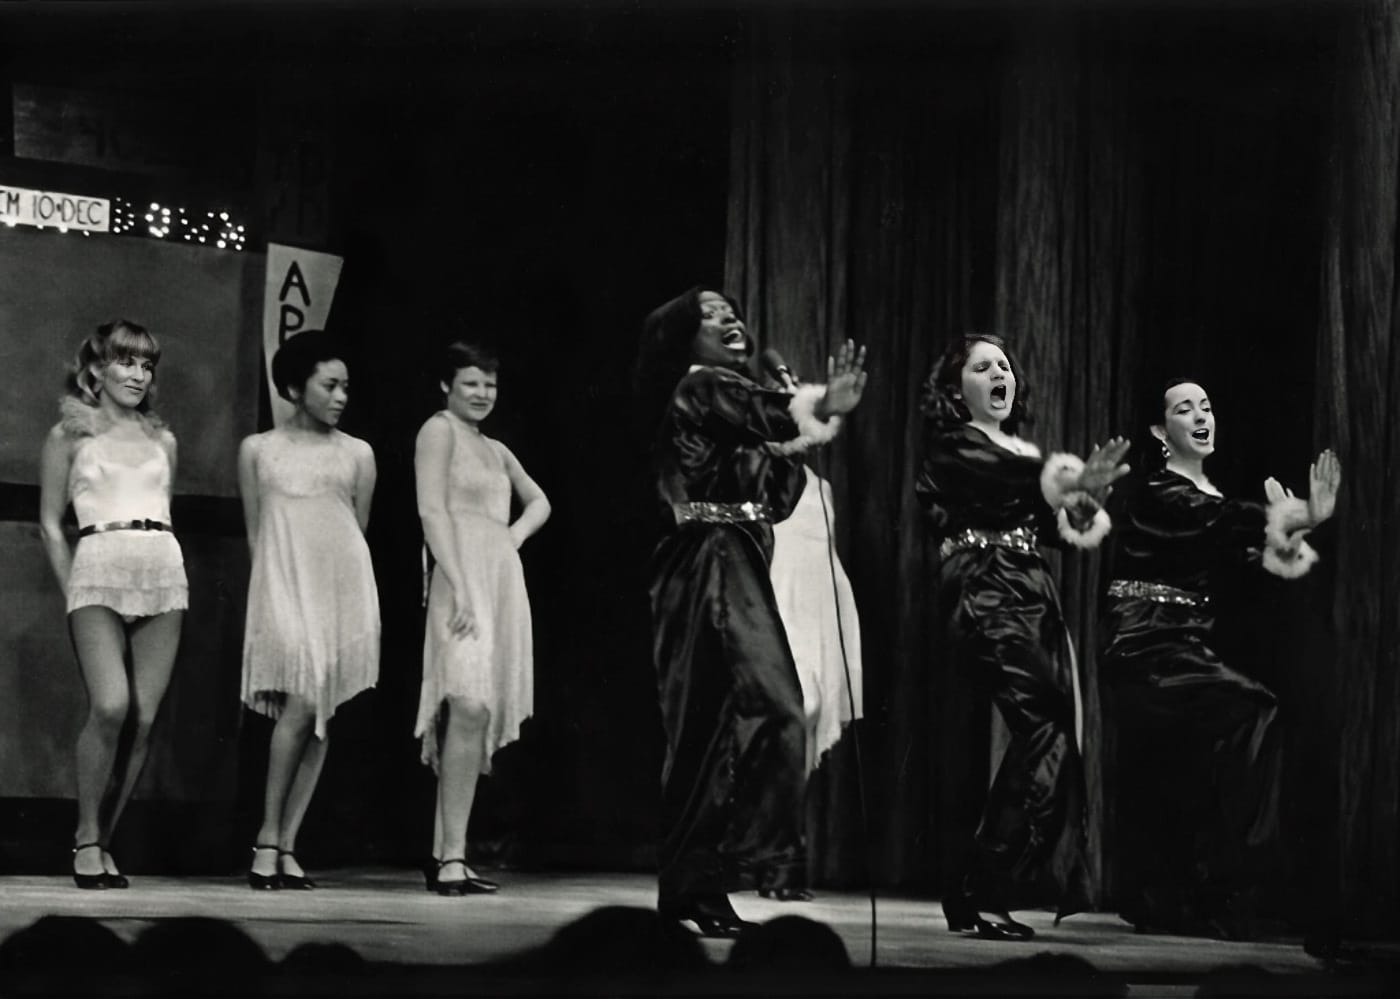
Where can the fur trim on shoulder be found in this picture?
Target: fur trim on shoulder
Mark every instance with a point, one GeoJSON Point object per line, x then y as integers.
{"type": "Point", "coordinates": [1289, 563]}
{"type": "Point", "coordinates": [79, 419]}
{"type": "Point", "coordinates": [1089, 525]}
{"type": "Point", "coordinates": [811, 431]}
{"type": "Point", "coordinates": [1059, 479]}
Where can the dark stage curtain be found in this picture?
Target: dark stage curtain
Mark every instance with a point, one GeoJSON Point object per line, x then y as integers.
{"type": "Point", "coordinates": [1357, 687]}
{"type": "Point", "coordinates": [1127, 196]}
{"type": "Point", "coordinates": [853, 214]}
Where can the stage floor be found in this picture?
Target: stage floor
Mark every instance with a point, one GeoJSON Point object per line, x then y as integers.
{"type": "Point", "coordinates": [385, 915]}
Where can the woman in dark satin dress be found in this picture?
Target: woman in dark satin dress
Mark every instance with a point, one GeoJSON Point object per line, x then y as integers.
{"type": "Point", "coordinates": [728, 464]}
{"type": "Point", "coordinates": [993, 501]}
{"type": "Point", "coordinates": [1198, 758]}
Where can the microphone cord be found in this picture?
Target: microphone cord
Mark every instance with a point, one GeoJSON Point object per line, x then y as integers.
{"type": "Point", "coordinates": [851, 704]}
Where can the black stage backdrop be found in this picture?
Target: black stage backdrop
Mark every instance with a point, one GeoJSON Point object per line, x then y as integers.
{"type": "Point", "coordinates": [1127, 193]}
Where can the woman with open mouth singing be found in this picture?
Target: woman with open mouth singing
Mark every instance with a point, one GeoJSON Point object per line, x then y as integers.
{"type": "Point", "coordinates": [993, 501]}
{"type": "Point", "coordinates": [1198, 762]}
{"type": "Point", "coordinates": [727, 465]}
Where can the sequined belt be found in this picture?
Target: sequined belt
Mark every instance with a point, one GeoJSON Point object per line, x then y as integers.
{"type": "Point", "coordinates": [1159, 593]}
{"type": "Point", "coordinates": [721, 513]}
{"type": "Point", "coordinates": [123, 525]}
{"type": "Point", "coordinates": [1021, 539]}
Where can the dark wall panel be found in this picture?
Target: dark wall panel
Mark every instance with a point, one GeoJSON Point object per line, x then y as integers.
{"type": "Point", "coordinates": [203, 305]}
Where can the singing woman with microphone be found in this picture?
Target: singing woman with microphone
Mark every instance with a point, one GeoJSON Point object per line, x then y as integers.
{"type": "Point", "coordinates": [727, 461]}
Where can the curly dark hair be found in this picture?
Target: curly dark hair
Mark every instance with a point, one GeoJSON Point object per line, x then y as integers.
{"type": "Point", "coordinates": [296, 360]}
{"type": "Point", "coordinates": [941, 400]}
{"type": "Point", "coordinates": [664, 351]}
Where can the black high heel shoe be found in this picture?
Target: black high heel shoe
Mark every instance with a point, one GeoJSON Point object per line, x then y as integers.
{"type": "Point", "coordinates": [430, 874]}
{"type": "Point", "coordinates": [713, 917]}
{"type": "Point", "coordinates": [264, 882]}
{"type": "Point", "coordinates": [115, 879]}
{"type": "Point", "coordinates": [296, 882]}
{"type": "Point", "coordinates": [90, 882]}
{"type": "Point", "coordinates": [469, 885]}
{"type": "Point", "coordinates": [962, 913]}
{"type": "Point", "coordinates": [787, 894]}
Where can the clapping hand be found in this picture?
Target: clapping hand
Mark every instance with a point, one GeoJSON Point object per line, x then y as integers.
{"type": "Point", "coordinates": [1324, 479]}
{"type": "Point", "coordinates": [1104, 467]}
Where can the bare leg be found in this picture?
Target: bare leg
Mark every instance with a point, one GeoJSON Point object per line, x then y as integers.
{"type": "Point", "coordinates": [99, 640]}
{"type": "Point", "coordinates": [294, 728]}
{"type": "Point", "coordinates": [463, 749]}
{"type": "Point", "coordinates": [437, 819]}
{"type": "Point", "coordinates": [313, 758]}
{"type": "Point", "coordinates": [154, 642]}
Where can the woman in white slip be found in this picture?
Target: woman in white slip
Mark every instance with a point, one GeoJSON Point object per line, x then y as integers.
{"type": "Point", "coordinates": [113, 459]}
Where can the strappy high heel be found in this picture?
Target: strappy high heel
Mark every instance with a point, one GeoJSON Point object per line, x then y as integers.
{"type": "Point", "coordinates": [469, 885]}
{"type": "Point", "coordinates": [296, 882]}
{"type": "Point", "coordinates": [265, 882]}
{"type": "Point", "coordinates": [90, 882]}
{"type": "Point", "coordinates": [114, 879]}
{"type": "Point", "coordinates": [713, 916]}
{"type": "Point", "coordinates": [963, 916]}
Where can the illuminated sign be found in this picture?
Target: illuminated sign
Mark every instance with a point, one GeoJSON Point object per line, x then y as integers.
{"type": "Point", "coordinates": [20, 206]}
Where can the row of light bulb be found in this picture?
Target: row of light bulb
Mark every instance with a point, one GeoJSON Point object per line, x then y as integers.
{"type": "Point", "coordinates": [216, 229]}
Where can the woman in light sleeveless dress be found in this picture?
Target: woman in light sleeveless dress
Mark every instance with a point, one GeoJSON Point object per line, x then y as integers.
{"type": "Point", "coordinates": [311, 640]}
{"type": "Point", "coordinates": [478, 659]}
{"type": "Point", "coordinates": [113, 459]}
{"type": "Point", "coordinates": [822, 627]}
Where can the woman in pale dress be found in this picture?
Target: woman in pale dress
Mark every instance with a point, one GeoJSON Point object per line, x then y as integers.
{"type": "Point", "coordinates": [311, 641]}
{"type": "Point", "coordinates": [114, 460]}
{"type": "Point", "coordinates": [478, 660]}
{"type": "Point", "coordinates": [819, 614]}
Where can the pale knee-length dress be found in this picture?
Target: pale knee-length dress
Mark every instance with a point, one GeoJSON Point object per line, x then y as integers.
{"type": "Point", "coordinates": [312, 629]}
{"type": "Point", "coordinates": [494, 667]}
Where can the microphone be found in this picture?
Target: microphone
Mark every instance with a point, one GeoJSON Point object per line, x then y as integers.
{"type": "Point", "coordinates": [774, 364]}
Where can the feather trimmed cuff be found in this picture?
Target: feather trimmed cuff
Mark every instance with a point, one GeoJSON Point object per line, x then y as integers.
{"type": "Point", "coordinates": [810, 430]}
{"type": "Point", "coordinates": [1289, 563]}
{"type": "Point", "coordinates": [1060, 478]}
{"type": "Point", "coordinates": [1283, 520]}
{"type": "Point", "coordinates": [1082, 522]}
{"type": "Point", "coordinates": [1285, 553]}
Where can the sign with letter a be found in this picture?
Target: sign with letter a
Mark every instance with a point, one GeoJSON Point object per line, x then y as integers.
{"type": "Point", "coordinates": [298, 294]}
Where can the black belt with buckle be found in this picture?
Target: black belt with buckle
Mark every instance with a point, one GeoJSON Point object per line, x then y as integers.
{"type": "Point", "coordinates": [123, 525]}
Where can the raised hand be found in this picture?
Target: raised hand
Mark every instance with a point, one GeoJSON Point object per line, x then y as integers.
{"type": "Point", "coordinates": [1104, 467]}
{"type": "Point", "coordinates": [1324, 479]}
{"type": "Point", "coordinates": [845, 381]}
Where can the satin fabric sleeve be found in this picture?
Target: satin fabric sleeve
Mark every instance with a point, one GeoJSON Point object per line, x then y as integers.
{"type": "Point", "coordinates": [732, 410]}
{"type": "Point", "coordinates": [1182, 511]}
{"type": "Point", "coordinates": [966, 480]}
